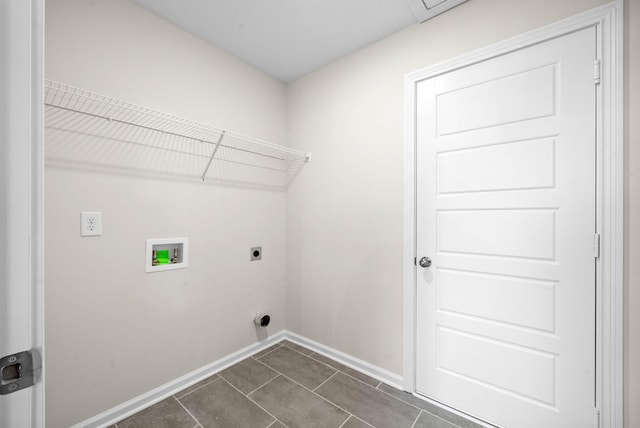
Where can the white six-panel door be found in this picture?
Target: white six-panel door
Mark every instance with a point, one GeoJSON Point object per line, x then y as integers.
{"type": "Point", "coordinates": [506, 211]}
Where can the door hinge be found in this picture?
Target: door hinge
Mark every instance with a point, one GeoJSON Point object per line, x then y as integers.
{"type": "Point", "coordinates": [415, 261]}
{"type": "Point", "coordinates": [596, 245]}
{"type": "Point", "coordinates": [598, 418]}
{"type": "Point", "coordinates": [17, 372]}
{"type": "Point", "coordinates": [596, 72]}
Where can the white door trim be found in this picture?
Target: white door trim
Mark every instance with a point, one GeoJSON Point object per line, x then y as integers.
{"type": "Point", "coordinates": [22, 170]}
{"type": "Point", "coordinates": [609, 282]}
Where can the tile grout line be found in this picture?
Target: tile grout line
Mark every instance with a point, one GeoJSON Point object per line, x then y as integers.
{"type": "Point", "coordinates": [453, 424]}
{"type": "Point", "coordinates": [254, 402]}
{"type": "Point", "coordinates": [318, 395]}
{"type": "Point", "coordinates": [345, 421]}
{"type": "Point", "coordinates": [405, 402]}
{"type": "Point", "coordinates": [217, 376]}
{"type": "Point", "coordinates": [416, 420]}
{"type": "Point", "coordinates": [276, 421]}
{"type": "Point", "coordinates": [262, 353]}
{"type": "Point", "coordinates": [364, 422]}
{"type": "Point", "coordinates": [311, 352]}
{"type": "Point", "coordinates": [266, 366]}
{"type": "Point", "coordinates": [358, 419]}
{"type": "Point", "coordinates": [254, 390]}
{"type": "Point", "coordinates": [345, 373]}
{"type": "Point", "coordinates": [187, 410]}
{"type": "Point", "coordinates": [325, 381]}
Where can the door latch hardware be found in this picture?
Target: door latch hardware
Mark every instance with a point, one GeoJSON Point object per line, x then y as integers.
{"type": "Point", "coordinates": [16, 372]}
{"type": "Point", "coordinates": [425, 262]}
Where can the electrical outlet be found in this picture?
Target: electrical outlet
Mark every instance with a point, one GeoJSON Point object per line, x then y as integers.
{"type": "Point", "coordinates": [90, 223]}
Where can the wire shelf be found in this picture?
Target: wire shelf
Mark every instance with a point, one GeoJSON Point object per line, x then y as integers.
{"type": "Point", "coordinates": [92, 131]}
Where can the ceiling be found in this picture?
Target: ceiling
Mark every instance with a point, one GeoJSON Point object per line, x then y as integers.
{"type": "Point", "coordinates": [290, 38]}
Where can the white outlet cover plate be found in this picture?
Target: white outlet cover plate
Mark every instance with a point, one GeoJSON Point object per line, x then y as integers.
{"type": "Point", "coordinates": [90, 223]}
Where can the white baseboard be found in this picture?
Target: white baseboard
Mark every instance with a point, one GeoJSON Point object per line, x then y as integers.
{"type": "Point", "coordinates": [141, 402]}
{"type": "Point", "coordinates": [383, 375]}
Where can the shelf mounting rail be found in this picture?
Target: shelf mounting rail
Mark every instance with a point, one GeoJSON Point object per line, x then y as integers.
{"type": "Point", "coordinates": [139, 136]}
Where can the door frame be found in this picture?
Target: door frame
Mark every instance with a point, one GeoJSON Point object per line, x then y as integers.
{"type": "Point", "coordinates": [607, 20]}
{"type": "Point", "coordinates": [21, 134]}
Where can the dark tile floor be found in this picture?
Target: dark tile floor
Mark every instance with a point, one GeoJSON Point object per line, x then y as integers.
{"type": "Point", "coordinates": [287, 385]}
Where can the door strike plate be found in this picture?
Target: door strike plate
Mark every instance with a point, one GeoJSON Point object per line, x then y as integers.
{"type": "Point", "coordinates": [16, 372]}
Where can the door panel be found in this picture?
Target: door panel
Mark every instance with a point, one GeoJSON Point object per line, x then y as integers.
{"type": "Point", "coordinates": [525, 233]}
{"type": "Point", "coordinates": [523, 302]}
{"type": "Point", "coordinates": [497, 102]}
{"type": "Point", "coordinates": [514, 370]}
{"type": "Point", "coordinates": [511, 166]}
{"type": "Point", "coordinates": [506, 211]}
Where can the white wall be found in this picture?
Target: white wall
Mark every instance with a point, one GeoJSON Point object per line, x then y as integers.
{"type": "Point", "coordinates": [112, 331]}
{"type": "Point", "coordinates": [345, 212]}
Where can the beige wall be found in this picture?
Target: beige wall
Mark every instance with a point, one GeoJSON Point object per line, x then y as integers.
{"type": "Point", "coordinates": [112, 331]}
{"type": "Point", "coordinates": [345, 212]}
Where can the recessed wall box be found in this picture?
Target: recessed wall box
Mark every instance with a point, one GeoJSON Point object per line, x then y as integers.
{"type": "Point", "coordinates": [167, 254]}
{"type": "Point", "coordinates": [256, 254]}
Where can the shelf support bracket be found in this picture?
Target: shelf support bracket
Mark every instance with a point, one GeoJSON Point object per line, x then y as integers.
{"type": "Point", "coordinates": [215, 149]}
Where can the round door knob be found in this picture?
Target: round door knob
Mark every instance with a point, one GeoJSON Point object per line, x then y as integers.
{"type": "Point", "coordinates": [425, 262]}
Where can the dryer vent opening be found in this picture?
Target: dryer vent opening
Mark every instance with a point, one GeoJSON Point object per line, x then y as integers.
{"type": "Point", "coordinates": [262, 320]}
